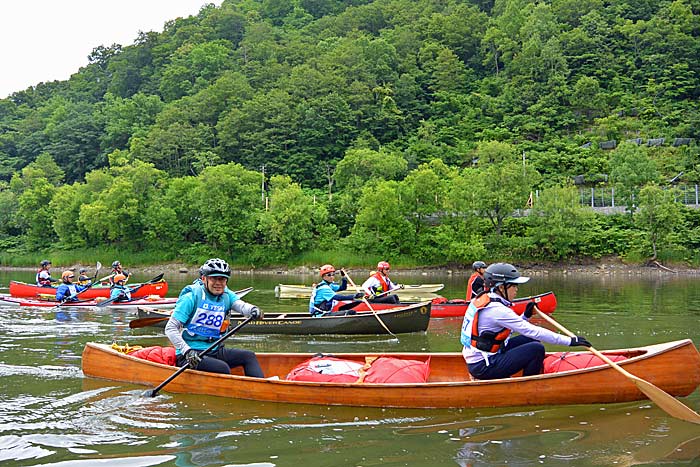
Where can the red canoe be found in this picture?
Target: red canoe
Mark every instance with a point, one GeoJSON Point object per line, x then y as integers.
{"type": "Point", "coordinates": [547, 302]}
{"type": "Point", "coordinates": [22, 289]}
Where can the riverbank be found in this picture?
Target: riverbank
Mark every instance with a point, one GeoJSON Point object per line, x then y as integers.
{"type": "Point", "coordinates": [606, 266]}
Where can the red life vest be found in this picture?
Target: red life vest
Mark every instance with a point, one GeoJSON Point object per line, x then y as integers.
{"type": "Point", "coordinates": [488, 341]}
{"type": "Point", "coordinates": [41, 281]}
{"type": "Point", "coordinates": [470, 283]}
{"type": "Point", "coordinates": [384, 286]}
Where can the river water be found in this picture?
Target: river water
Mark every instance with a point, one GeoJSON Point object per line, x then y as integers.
{"type": "Point", "coordinates": [51, 415]}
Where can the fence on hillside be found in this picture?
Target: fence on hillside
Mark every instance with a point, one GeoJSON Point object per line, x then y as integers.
{"type": "Point", "coordinates": [604, 196]}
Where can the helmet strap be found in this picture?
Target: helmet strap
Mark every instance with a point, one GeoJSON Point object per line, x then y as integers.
{"type": "Point", "coordinates": [502, 290]}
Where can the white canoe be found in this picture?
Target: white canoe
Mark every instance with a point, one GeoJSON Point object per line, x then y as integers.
{"type": "Point", "coordinates": [416, 290]}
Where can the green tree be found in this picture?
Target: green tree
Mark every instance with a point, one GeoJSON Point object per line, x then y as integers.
{"type": "Point", "coordinates": [631, 168]}
{"type": "Point", "coordinates": [557, 224]}
{"type": "Point", "coordinates": [227, 201]}
{"type": "Point", "coordinates": [380, 226]}
{"type": "Point", "coordinates": [659, 216]}
{"type": "Point", "coordinates": [287, 226]}
{"type": "Point", "coordinates": [499, 191]}
{"type": "Point", "coordinates": [361, 166]}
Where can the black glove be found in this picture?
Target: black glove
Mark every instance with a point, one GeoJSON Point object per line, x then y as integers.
{"type": "Point", "coordinates": [579, 341]}
{"type": "Point", "coordinates": [342, 273]}
{"type": "Point", "coordinates": [529, 309]}
{"type": "Point", "coordinates": [401, 286]}
{"type": "Point", "coordinates": [193, 358]}
{"type": "Point", "coordinates": [359, 295]}
{"type": "Point", "coordinates": [256, 313]}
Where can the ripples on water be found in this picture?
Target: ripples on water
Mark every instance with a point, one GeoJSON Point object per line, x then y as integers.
{"type": "Point", "coordinates": [51, 415]}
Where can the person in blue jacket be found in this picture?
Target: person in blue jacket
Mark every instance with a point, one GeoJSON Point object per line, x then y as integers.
{"type": "Point", "coordinates": [68, 291]}
{"type": "Point", "coordinates": [324, 295]}
{"type": "Point", "coordinates": [201, 316]}
{"type": "Point", "coordinates": [119, 290]}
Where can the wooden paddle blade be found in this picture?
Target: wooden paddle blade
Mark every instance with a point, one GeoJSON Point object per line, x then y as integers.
{"type": "Point", "coordinates": [144, 322]}
{"type": "Point", "coordinates": [664, 400]}
{"type": "Point", "coordinates": [667, 402]}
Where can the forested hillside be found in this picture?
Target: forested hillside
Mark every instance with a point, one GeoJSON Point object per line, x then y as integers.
{"type": "Point", "coordinates": [420, 129]}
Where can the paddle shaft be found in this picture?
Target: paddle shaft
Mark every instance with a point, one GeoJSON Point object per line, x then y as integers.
{"type": "Point", "coordinates": [143, 322]}
{"type": "Point", "coordinates": [354, 303]}
{"type": "Point", "coordinates": [664, 400]}
{"type": "Point", "coordinates": [201, 354]}
{"type": "Point", "coordinates": [374, 312]}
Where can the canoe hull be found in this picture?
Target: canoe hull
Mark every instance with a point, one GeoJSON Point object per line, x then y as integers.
{"type": "Point", "coordinates": [414, 290]}
{"type": "Point", "coordinates": [22, 289]}
{"type": "Point", "coordinates": [547, 302]}
{"type": "Point", "coordinates": [160, 303]}
{"type": "Point", "coordinates": [673, 367]}
{"type": "Point", "coordinates": [407, 319]}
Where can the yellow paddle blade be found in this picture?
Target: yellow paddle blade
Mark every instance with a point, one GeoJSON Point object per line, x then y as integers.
{"type": "Point", "coordinates": [665, 401]}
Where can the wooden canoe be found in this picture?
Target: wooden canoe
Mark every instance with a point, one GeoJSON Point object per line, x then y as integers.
{"type": "Point", "coordinates": [547, 302]}
{"type": "Point", "coordinates": [673, 367]}
{"type": "Point", "coordinates": [304, 291]}
{"type": "Point", "coordinates": [413, 318]}
{"type": "Point", "coordinates": [23, 289]}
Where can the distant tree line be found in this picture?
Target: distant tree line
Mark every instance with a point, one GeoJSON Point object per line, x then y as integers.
{"type": "Point", "coordinates": [397, 127]}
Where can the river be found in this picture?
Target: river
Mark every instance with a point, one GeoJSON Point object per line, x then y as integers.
{"type": "Point", "coordinates": [51, 415]}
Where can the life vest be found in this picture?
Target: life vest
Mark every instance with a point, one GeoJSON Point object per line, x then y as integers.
{"type": "Point", "coordinates": [488, 341]}
{"type": "Point", "coordinates": [383, 285]}
{"type": "Point", "coordinates": [322, 306]}
{"type": "Point", "coordinates": [209, 318]}
{"type": "Point", "coordinates": [470, 286]}
{"type": "Point", "coordinates": [121, 292]}
{"type": "Point", "coordinates": [42, 281]}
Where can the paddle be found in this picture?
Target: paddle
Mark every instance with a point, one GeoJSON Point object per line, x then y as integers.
{"type": "Point", "coordinates": [98, 266]}
{"type": "Point", "coordinates": [144, 322]}
{"type": "Point", "coordinates": [358, 289]}
{"type": "Point", "coordinates": [110, 275]}
{"type": "Point", "coordinates": [354, 303]}
{"type": "Point", "coordinates": [664, 400]}
{"type": "Point", "coordinates": [228, 334]}
{"type": "Point", "coordinates": [158, 278]}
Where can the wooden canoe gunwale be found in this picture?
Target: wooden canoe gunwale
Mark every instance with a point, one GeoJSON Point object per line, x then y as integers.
{"type": "Point", "coordinates": [602, 384]}
{"type": "Point", "coordinates": [413, 318]}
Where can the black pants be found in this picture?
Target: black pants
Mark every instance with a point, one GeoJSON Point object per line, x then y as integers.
{"type": "Point", "coordinates": [392, 298]}
{"type": "Point", "coordinates": [222, 360]}
{"type": "Point", "coordinates": [521, 353]}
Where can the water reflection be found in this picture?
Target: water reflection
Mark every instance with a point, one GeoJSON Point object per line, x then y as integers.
{"type": "Point", "coordinates": [51, 415]}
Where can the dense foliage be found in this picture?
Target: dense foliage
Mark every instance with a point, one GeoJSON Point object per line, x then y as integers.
{"type": "Point", "coordinates": [263, 129]}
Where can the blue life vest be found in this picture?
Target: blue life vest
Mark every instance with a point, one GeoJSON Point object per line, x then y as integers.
{"type": "Point", "coordinates": [209, 315]}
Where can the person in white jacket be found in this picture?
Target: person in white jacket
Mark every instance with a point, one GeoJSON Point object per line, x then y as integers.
{"type": "Point", "coordinates": [490, 350]}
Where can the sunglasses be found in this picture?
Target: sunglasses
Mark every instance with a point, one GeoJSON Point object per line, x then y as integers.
{"type": "Point", "coordinates": [329, 274]}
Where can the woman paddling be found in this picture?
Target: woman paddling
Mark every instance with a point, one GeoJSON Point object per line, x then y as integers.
{"type": "Point", "coordinates": [489, 349]}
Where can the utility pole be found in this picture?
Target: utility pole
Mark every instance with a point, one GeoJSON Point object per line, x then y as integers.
{"type": "Point", "coordinates": [262, 184]}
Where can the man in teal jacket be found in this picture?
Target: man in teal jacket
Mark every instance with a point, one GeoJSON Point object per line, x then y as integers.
{"type": "Point", "coordinates": [201, 316]}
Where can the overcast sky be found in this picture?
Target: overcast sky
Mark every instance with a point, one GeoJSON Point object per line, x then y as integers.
{"type": "Point", "coordinates": [46, 40]}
